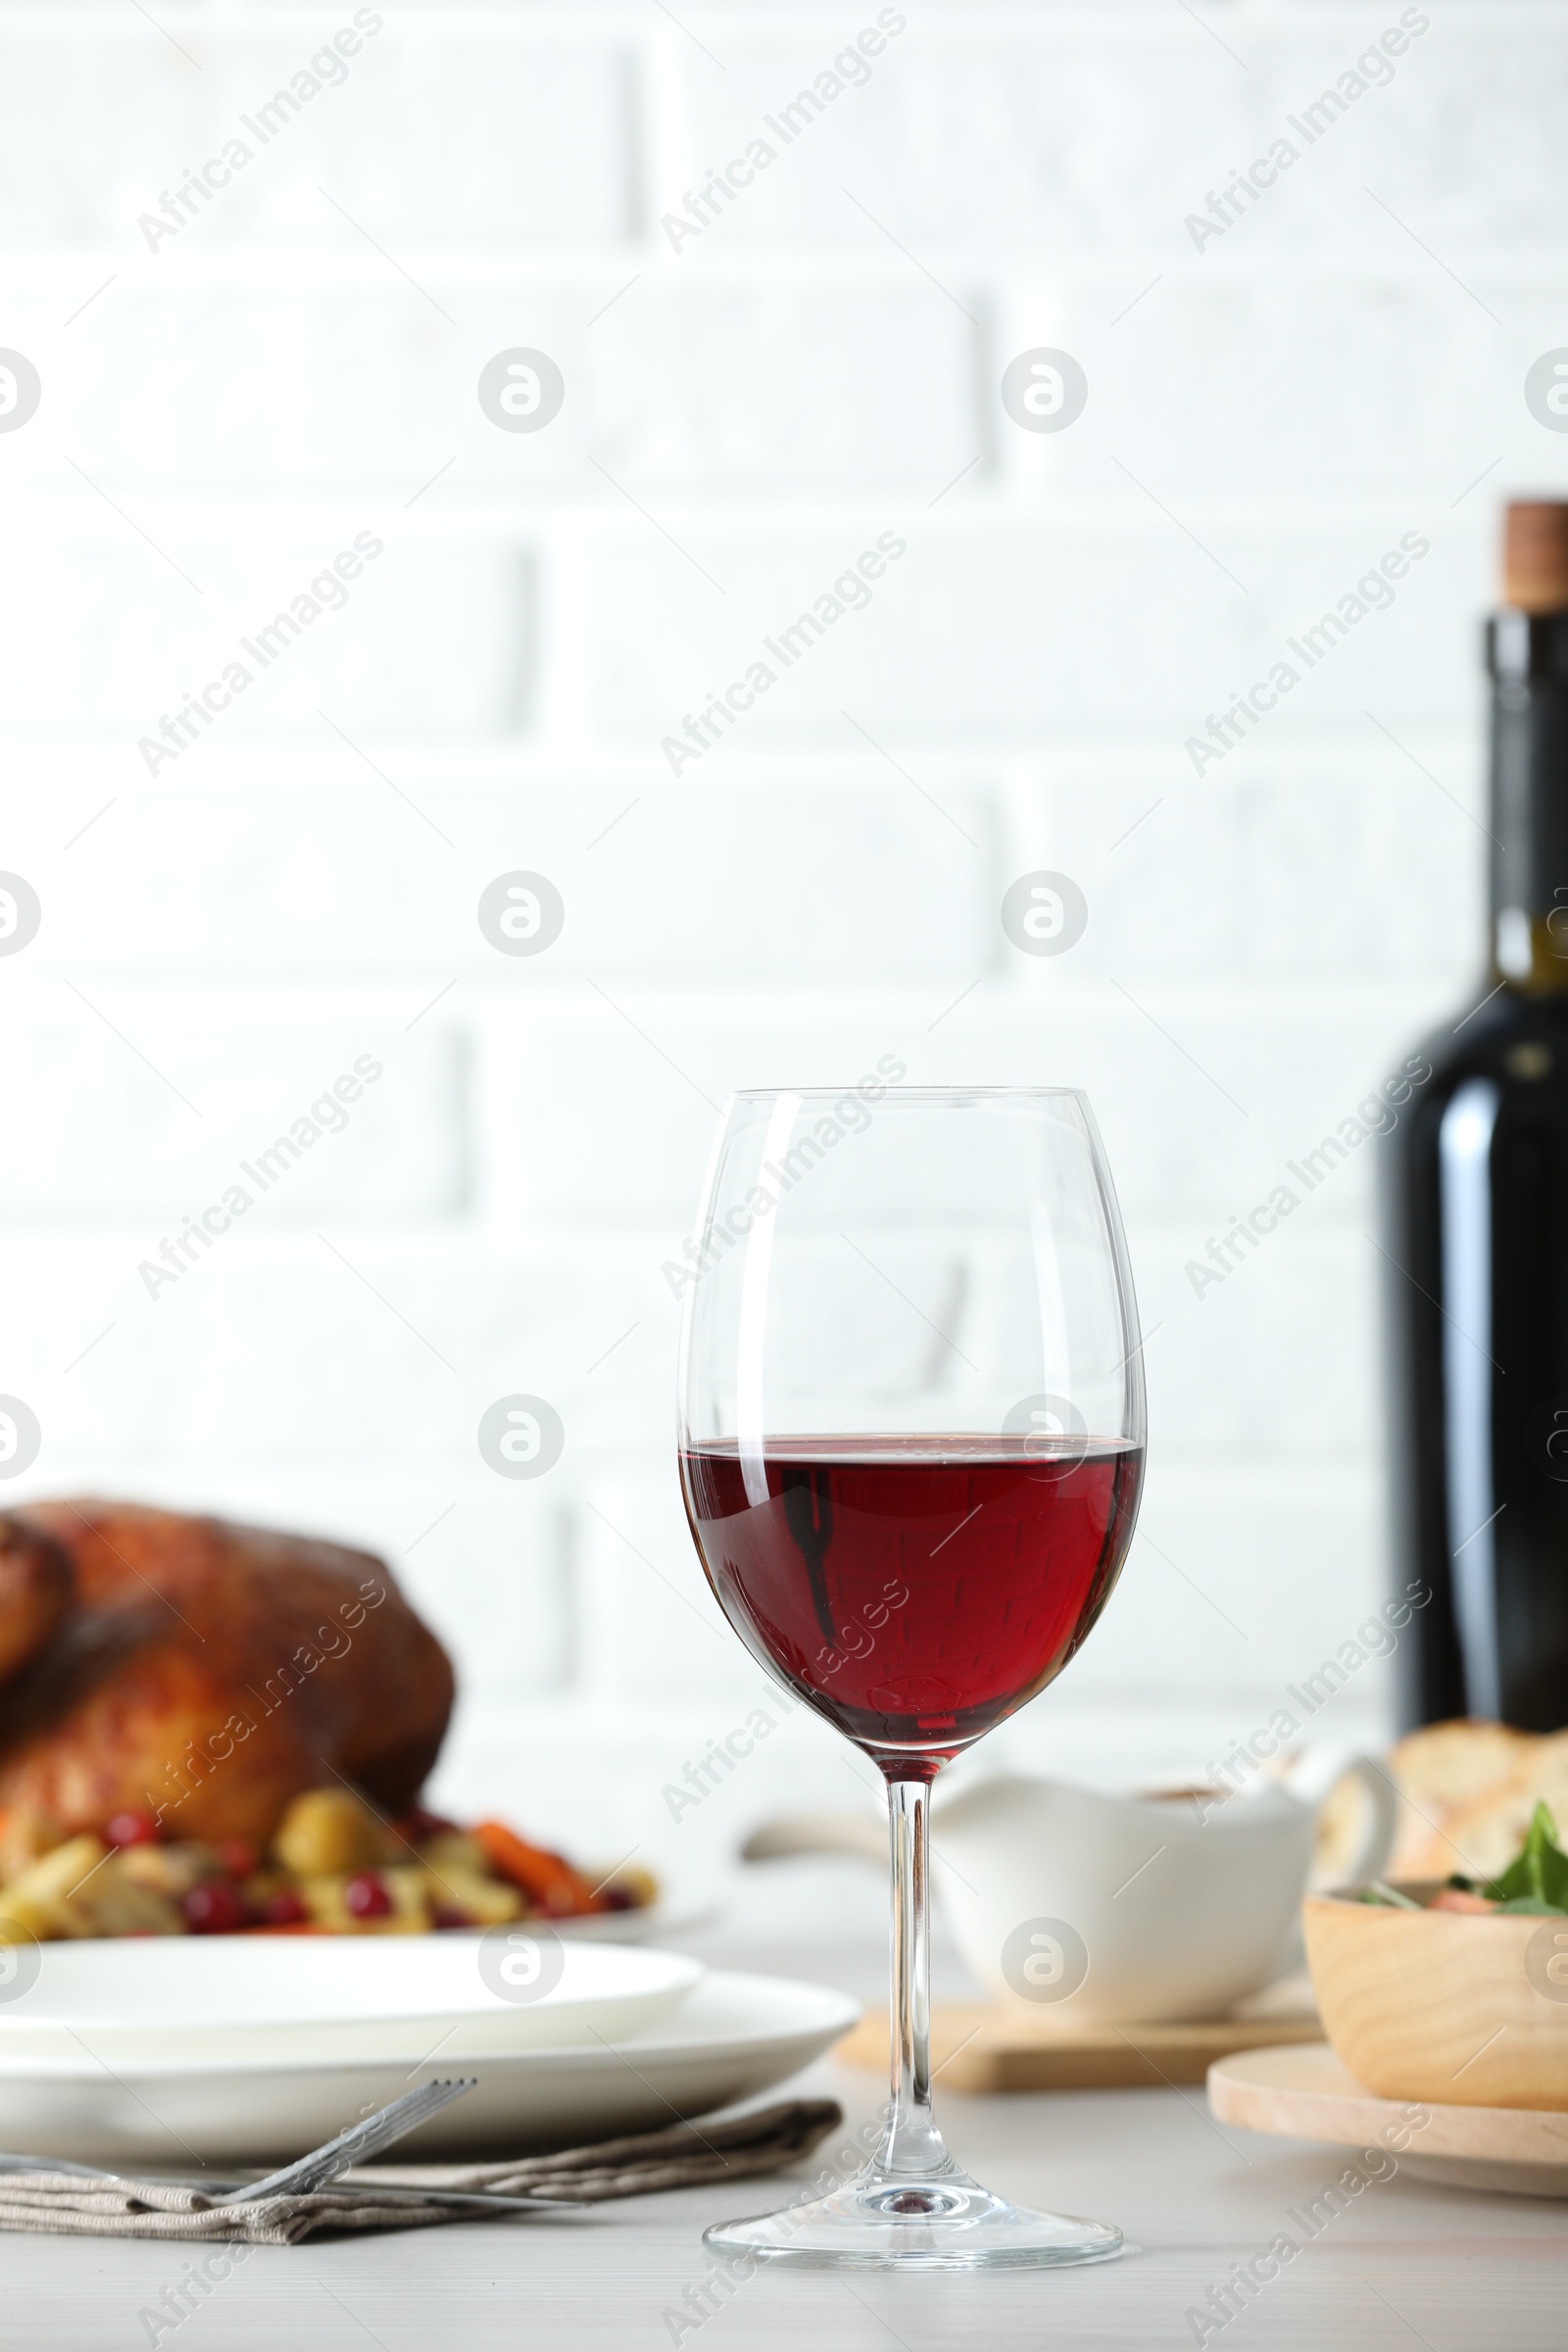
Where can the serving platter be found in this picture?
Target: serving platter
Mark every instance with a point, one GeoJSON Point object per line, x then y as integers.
{"type": "Point", "coordinates": [730, 2037]}
{"type": "Point", "coordinates": [1304, 2092]}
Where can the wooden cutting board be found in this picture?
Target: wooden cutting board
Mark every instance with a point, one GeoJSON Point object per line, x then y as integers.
{"type": "Point", "coordinates": [985, 2048]}
{"type": "Point", "coordinates": [1305, 2094]}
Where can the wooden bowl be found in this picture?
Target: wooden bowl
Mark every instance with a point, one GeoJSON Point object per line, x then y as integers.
{"type": "Point", "coordinates": [1455, 2008]}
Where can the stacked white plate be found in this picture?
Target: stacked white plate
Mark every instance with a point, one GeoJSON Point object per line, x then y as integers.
{"type": "Point", "coordinates": [159, 2050]}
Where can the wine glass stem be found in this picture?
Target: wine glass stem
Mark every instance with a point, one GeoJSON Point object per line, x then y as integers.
{"type": "Point", "coordinates": [913, 2143]}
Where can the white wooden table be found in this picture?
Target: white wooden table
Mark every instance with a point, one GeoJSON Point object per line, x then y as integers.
{"type": "Point", "coordinates": [1406, 2265]}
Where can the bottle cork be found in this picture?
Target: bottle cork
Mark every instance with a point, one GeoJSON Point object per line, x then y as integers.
{"type": "Point", "coordinates": [1535, 555]}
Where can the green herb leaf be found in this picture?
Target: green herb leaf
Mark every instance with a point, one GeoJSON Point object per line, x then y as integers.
{"type": "Point", "coordinates": [1537, 1877]}
{"type": "Point", "coordinates": [1378, 1890]}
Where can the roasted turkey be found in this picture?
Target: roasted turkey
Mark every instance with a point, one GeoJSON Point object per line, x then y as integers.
{"type": "Point", "coordinates": [202, 1673]}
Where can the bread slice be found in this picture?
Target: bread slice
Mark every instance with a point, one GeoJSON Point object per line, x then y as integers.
{"type": "Point", "coordinates": [1446, 1765]}
{"type": "Point", "coordinates": [1481, 1838]}
{"type": "Point", "coordinates": [1443, 1770]}
{"type": "Point", "coordinates": [1344, 1825]}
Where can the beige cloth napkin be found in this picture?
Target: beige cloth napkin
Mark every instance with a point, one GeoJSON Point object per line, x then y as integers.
{"type": "Point", "coordinates": [685, 2156]}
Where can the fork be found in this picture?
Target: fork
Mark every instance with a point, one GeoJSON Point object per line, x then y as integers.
{"type": "Point", "coordinates": [323, 2165]}
{"type": "Point", "coordinates": [356, 2146]}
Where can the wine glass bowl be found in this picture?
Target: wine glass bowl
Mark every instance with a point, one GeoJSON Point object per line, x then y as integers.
{"type": "Point", "coordinates": [912, 1436]}
{"type": "Point", "coordinates": [947, 1580]}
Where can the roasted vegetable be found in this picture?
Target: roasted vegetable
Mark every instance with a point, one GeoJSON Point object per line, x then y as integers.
{"type": "Point", "coordinates": [331, 1829]}
{"type": "Point", "coordinates": [335, 1868]}
{"type": "Point", "coordinates": [548, 1879]}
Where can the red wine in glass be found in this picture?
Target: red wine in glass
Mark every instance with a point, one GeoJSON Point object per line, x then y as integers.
{"type": "Point", "coordinates": [910, 1435]}
{"type": "Point", "coordinates": [914, 1590]}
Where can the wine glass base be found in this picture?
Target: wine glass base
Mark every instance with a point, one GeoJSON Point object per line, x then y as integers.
{"type": "Point", "coordinates": [885, 2222]}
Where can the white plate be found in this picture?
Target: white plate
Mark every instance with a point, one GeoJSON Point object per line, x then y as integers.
{"type": "Point", "coordinates": [733, 2037]}
{"type": "Point", "coordinates": [227, 1999]}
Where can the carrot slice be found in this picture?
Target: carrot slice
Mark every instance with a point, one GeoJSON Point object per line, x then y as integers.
{"type": "Point", "coordinates": [546, 1879]}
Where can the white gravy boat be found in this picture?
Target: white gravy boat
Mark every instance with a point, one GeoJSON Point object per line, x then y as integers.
{"type": "Point", "coordinates": [1119, 1908]}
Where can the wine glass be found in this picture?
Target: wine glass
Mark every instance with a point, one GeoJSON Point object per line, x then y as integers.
{"type": "Point", "coordinates": [911, 1442]}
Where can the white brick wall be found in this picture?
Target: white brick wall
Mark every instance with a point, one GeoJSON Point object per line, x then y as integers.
{"type": "Point", "coordinates": [755, 405]}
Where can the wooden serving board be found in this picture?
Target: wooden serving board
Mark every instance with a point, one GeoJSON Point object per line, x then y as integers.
{"type": "Point", "coordinates": [1304, 2092]}
{"type": "Point", "coordinates": [988, 2048]}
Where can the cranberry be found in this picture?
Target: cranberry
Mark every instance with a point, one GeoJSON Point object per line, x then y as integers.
{"type": "Point", "coordinates": [237, 1857]}
{"type": "Point", "coordinates": [365, 1895]}
{"type": "Point", "coordinates": [131, 1828]}
{"type": "Point", "coordinates": [213, 1907]}
{"type": "Point", "coordinates": [285, 1909]}
{"type": "Point", "coordinates": [448, 1915]}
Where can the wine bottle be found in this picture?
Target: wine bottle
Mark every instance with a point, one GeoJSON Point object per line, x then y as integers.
{"type": "Point", "coordinates": [1475, 1206]}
